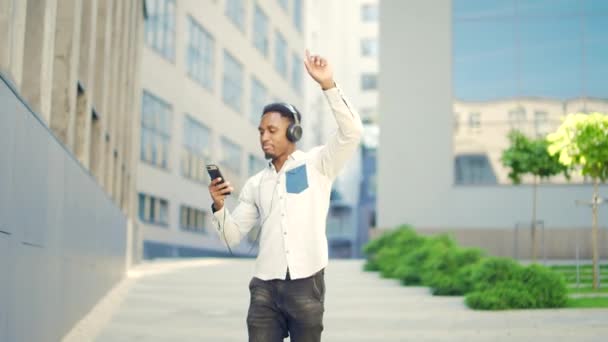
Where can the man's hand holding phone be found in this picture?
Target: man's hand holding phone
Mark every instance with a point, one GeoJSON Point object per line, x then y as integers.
{"type": "Point", "coordinates": [218, 188]}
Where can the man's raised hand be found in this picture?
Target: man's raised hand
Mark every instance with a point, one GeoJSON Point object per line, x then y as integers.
{"type": "Point", "coordinates": [319, 70]}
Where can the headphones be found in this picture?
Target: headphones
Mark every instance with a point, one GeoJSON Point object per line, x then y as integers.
{"type": "Point", "coordinates": [294, 131]}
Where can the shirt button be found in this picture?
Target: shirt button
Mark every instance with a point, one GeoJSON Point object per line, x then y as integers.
{"type": "Point", "coordinates": [287, 252]}
{"type": "Point", "coordinates": [284, 233]}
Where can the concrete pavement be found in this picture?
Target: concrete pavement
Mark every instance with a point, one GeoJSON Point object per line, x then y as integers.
{"type": "Point", "coordinates": [207, 300]}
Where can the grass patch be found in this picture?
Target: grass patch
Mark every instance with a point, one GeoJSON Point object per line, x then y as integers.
{"type": "Point", "coordinates": [588, 303]}
{"type": "Point", "coordinates": [587, 290]}
{"type": "Point", "coordinates": [572, 268]}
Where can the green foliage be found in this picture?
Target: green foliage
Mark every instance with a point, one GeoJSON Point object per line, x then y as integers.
{"type": "Point", "coordinates": [511, 286]}
{"type": "Point", "coordinates": [489, 283]}
{"type": "Point", "coordinates": [580, 142]}
{"type": "Point", "coordinates": [530, 156]}
{"type": "Point", "coordinates": [493, 270]}
{"type": "Point", "coordinates": [444, 271]}
{"type": "Point", "coordinates": [411, 270]}
{"type": "Point", "coordinates": [385, 252]}
{"type": "Point", "coordinates": [546, 286]}
{"type": "Point", "coordinates": [506, 295]}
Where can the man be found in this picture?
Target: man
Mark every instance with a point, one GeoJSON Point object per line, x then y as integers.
{"type": "Point", "coordinates": [290, 198]}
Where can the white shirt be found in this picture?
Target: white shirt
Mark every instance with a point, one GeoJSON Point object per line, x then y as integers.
{"type": "Point", "coordinates": [293, 202]}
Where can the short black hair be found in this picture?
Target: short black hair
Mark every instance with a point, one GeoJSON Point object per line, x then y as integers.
{"type": "Point", "coordinates": [285, 109]}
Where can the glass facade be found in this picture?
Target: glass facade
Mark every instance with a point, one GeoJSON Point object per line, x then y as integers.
{"type": "Point", "coordinates": [522, 65]}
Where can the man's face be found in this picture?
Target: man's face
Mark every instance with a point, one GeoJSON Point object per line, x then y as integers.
{"type": "Point", "coordinates": [273, 135]}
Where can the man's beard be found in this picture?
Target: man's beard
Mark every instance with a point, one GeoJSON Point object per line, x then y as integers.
{"type": "Point", "coordinates": [269, 156]}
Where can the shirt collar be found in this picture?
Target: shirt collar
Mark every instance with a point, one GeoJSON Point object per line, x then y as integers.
{"type": "Point", "coordinates": [295, 156]}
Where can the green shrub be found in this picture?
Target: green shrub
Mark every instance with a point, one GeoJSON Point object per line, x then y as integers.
{"type": "Point", "coordinates": [411, 268]}
{"type": "Point", "coordinates": [493, 270]}
{"type": "Point", "coordinates": [546, 286]}
{"type": "Point", "coordinates": [382, 251]}
{"type": "Point", "coordinates": [517, 287]}
{"type": "Point", "coordinates": [489, 283]}
{"type": "Point", "coordinates": [505, 295]}
{"type": "Point", "coordinates": [394, 253]}
{"type": "Point", "coordinates": [443, 270]}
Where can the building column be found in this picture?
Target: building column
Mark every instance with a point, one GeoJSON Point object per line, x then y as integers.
{"type": "Point", "coordinates": [135, 139]}
{"type": "Point", "coordinates": [39, 47]}
{"type": "Point", "coordinates": [86, 76]}
{"type": "Point", "coordinates": [121, 99]}
{"type": "Point", "coordinates": [6, 34]}
{"type": "Point", "coordinates": [65, 70]}
{"type": "Point", "coordinates": [100, 98]}
{"type": "Point", "coordinates": [131, 96]}
{"type": "Point", "coordinates": [12, 35]}
{"type": "Point", "coordinates": [114, 91]}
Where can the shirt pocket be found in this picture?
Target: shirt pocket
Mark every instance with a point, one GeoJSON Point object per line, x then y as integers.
{"type": "Point", "coordinates": [297, 180]}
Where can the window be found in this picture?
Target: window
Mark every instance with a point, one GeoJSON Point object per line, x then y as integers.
{"type": "Point", "coordinates": [231, 158]}
{"type": "Point", "coordinates": [369, 47]}
{"type": "Point", "coordinates": [199, 61]}
{"type": "Point", "coordinates": [280, 54]}
{"type": "Point", "coordinates": [160, 27]}
{"type": "Point", "coordinates": [153, 210]}
{"type": "Point", "coordinates": [297, 14]}
{"type": "Point", "coordinates": [235, 10]}
{"type": "Point", "coordinates": [155, 130]}
{"type": "Point", "coordinates": [258, 100]}
{"type": "Point", "coordinates": [369, 82]}
{"type": "Point", "coordinates": [517, 119]}
{"type": "Point", "coordinates": [260, 30]}
{"type": "Point", "coordinates": [284, 4]}
{"type": "Point", "coordinates": [473, 169]}
{"type": "Point", "coordinates": [195, 150]}
{"type": "Point", "coordinates": [369, 12]}
{"type": "Point", "coordinates": [474, 120]}
{"type": "Point", "coordinates": [256, 164]}
{"type": "Point", "coordinates": [192, 220]}
{"type": "Point", "coordinates": [541, 123]}
{"type": "Point", "coordinates": [296, 73]}
{"type": "Point", "coordinates": [232, 88]}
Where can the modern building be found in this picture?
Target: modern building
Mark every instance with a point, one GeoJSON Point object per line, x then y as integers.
{"type": "Point", "coordinates": [69, 73]}
{"type": "Point", "coordinates": [481, 133]}
{"type": "Point", "coordinates": [347, 34]}
{"type": "Point", "coordinates": [208, 68]}
{"type": "Point", "coordinates": [486, 62]}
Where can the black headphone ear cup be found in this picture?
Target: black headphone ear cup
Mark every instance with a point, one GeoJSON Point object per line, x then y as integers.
{"type": "Point", "coordinates": [294, 133]}
{"type": "Point", "coordinates": [290, 133]}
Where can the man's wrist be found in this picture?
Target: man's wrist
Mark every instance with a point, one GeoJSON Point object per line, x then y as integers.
{"type": "Point", "coordinates": [215, 207]}
{"type": "Point", "coordinates": [325, 85]}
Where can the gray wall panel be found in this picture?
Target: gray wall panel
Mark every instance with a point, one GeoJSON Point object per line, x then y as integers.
{"type": "Point", "coordinates": [5, 282]}
{"type": "Point", "coordinates": [30, 180]}
{"type": "Point", "coordinates": [7, 148]}
{"type": "Point", "coordinates": [67, 246]}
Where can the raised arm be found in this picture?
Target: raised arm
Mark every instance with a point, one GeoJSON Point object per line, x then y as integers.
{"type": "Point", "coordinates": [344, 143]}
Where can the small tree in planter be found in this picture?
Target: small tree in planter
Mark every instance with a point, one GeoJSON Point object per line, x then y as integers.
{"type": "Point", "coordinates": [581, 142]}
{"type": "Point", "coordinates": [530, 156]}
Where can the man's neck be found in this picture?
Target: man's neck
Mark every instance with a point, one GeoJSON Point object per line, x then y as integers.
{"type": "Point", "coordinates": [279, 161]}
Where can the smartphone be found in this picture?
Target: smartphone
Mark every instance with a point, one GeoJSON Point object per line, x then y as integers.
{"type": "Point", "coordinates": [214, 172]}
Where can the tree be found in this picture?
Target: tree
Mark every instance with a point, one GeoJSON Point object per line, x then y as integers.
{"type": "Point", "coordinates": [581, 143]}
{"type": "Point", "coordinates": [530, 156]}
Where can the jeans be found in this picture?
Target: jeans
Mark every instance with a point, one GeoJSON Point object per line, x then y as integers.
{"type": "Point", "coordinates": [281, 308]}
